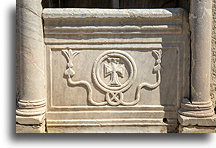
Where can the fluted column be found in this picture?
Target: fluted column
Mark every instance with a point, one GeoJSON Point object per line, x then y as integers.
{"type": "Point", "coordinates": [32, 101]}
{"type": "Point", "coordinates": [198, 109]}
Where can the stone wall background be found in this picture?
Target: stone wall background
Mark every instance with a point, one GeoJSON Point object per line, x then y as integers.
{"type": "Point", "coordinates": [213, 84]}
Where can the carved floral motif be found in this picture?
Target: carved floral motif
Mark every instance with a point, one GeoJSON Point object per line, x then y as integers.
{"type": "Point", "coordinates": [70, 55]}
{"type": "Point", "coordinates": [114, 63]}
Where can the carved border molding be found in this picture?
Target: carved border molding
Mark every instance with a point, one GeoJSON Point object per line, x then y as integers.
{"type": "Point", "coordinates": [114, 95]}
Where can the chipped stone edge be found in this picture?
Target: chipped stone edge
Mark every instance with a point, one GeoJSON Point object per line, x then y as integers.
{"type": "Point", "coordinates": [51, 13]}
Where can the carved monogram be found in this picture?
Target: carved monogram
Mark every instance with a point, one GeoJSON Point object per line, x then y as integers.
{"type": "Point", "coordinates": [114, 65]}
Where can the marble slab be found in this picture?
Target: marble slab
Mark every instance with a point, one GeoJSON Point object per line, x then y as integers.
{"type": "Point", "coordinates": [115, 70]}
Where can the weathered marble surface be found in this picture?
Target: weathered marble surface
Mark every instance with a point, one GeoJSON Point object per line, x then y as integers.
{"type": "Point", "coordinates": [213, 62]}
{"type": "Point", "coordinates": [198, 109]}
{"type": "Point", "coordinates": [31, 128]}
{"type": "Point", "coordinates": [196, 129]}
{"type": "Point", "coordinates": [31, 104]}
{"type": "Point", "coordinates": [28, 119]}
{"type": "Point", "coordinates": [99, 59]}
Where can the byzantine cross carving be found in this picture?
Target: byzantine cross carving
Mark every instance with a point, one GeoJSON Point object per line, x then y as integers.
{"type": "Point", "coordinates": [115, 70]}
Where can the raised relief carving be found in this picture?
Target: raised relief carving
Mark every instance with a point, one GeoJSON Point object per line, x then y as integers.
{"type": "Point", "coordinates": [70, 73]}
{"type": "Point", "coordinates": [70, 55]}
{"type": "Point", "coordinates": [156, 69]}
{"type": "Point", "coordinates": [113, 72]}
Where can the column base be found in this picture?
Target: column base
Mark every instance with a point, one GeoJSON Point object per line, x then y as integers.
{"type": "Point", "coordinates": [30, 124]}
{"type": "Point", "coordinates": [193, 121]}
{"type": "Point", "coordinates": [196, 117]}
{"type": "Point", "coordinates": [196, 125]}
{"type": "Point", "coordinates": [40, 128]}
{"type": "Point", "coordinates": [30, 119]}
{"type": "Point", "coordinates": [196, 109]}
{"type": "Point", "coordinates": [30, 116]}
{"type": "Point", "coordinates": [196, 129]}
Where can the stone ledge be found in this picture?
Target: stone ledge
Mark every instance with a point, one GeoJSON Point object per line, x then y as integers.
{"type": "Point", "coordinates": [109, 129]}
{"type": "Point", "coordinates": [34, 128]}
{"type": "Point", "coordinates": [52, 13]}
{"type": "Point", "coordinates": [193, 121]}
{"type": "Point", "coordinates": [196, 129]}
{"type": "Point", "coordinates": [35, 120]}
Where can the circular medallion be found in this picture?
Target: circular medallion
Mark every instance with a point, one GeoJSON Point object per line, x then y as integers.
{"type": "Point", "coordinates": [114, 71]}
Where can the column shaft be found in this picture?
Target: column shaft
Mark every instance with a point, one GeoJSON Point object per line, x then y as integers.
{"type": "Point", "coordinates": [201, 31]}
{"type": "Point", "coordinates": [32, 62]}
{"type": "Point", "coordinates": [198, 110]}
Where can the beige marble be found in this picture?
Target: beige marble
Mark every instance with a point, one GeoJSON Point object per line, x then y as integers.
{"type": "Point", "coordinates": [197, 129]}
{"type": "Point", "coordinates": [198, 110]}
{"type": "Point", "coordinates": [114, 70]}
{"type": "Point", "coordinates": [110, 129]}
{"type": "Point", "coordinates": [106, 72]}
{"type": "Point", "coordinates": [33, 128]}
{"type": "Point", "coordinates": [213, 58]}
{"type": "Point", "coordinates": [32, 83]}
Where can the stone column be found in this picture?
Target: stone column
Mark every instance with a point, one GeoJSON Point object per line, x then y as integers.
{"type": "Point", "coordinates": [198, 110]}
{"type": "Point", "coordinates": [31, 109]}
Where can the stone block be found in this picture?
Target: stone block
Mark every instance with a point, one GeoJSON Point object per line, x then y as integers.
{"type": "Point", "coordinates": [195, 121]}
{"type": "Point", "coordinates": [112, 69]}
{"type": "Point", "coordinates": [33, 128]}
{"type": "Point", "coordinates": [196, 129]}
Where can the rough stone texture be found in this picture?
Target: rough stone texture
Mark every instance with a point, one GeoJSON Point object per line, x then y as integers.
{"type": "Point", "coordinates": [194, 121]}
{"type": "Point", "coordinates": [30, 128]}
{"type": "Point", "coordinates": [30, 120]}
{"type": "Point", "coordinates": [213, 66]}
{"type": "Point", "coordinates": [196, 129]}
{"type": "Point", "coordinates": [110, 129]}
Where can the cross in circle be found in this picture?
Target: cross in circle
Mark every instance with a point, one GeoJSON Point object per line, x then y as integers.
{"type": "Point", "coordinates": [115, 70]}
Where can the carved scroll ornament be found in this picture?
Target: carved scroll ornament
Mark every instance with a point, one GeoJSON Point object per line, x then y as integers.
{"type": "Point", "coordinates": [114, 72]}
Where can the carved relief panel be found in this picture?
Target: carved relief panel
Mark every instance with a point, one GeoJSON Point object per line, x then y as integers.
{"type": "Point", "coordinates": [121, 71]}
{"type": "Point", "coordinates": [115, 69]}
